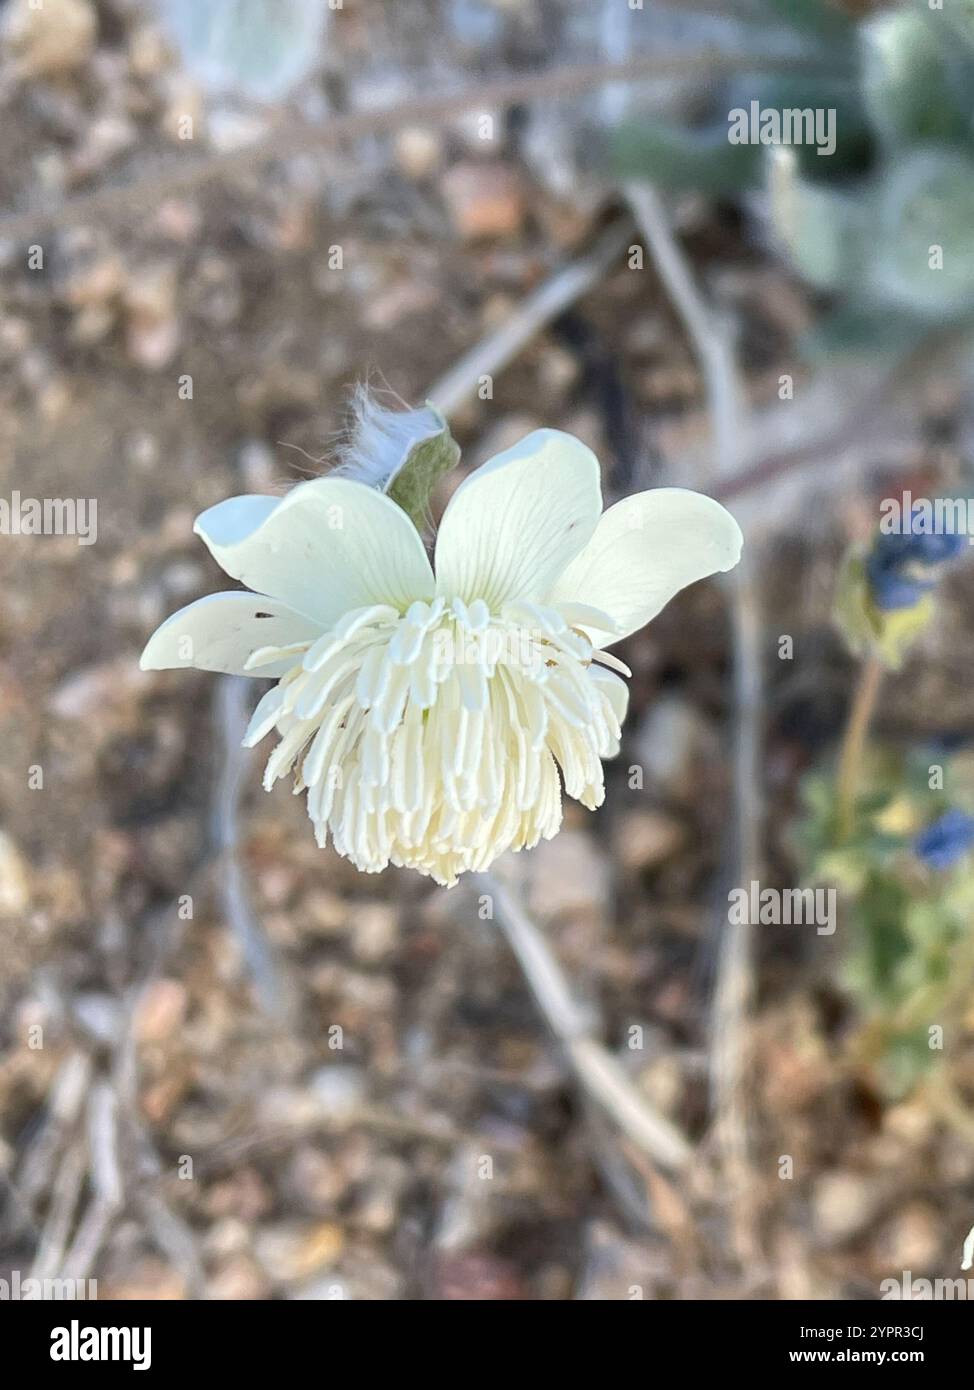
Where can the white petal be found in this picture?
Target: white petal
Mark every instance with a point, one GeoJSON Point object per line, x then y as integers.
{"type": "Point", "coordinates": [512, 526]}
{"type": "Point", "coordinates": [221, 631]}
{"type": "Point", "coordinates": [327, 546]}
{"type": "Point", "coordinates": [646, 549]}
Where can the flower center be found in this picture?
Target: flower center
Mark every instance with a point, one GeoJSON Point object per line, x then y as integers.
{"type": "Point", "coordinates": [434, 738]}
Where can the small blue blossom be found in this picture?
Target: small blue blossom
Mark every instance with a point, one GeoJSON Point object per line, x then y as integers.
{"type": "Point", "coordinates": [946, 841]}
{"type": "Point", "coordinates": [902, 567]}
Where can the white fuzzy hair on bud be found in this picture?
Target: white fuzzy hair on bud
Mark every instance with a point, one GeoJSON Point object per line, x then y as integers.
{"type": "Point", "coordinates": [379, 441]}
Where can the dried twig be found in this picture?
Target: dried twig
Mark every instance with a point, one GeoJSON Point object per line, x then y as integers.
{"type": "Point", "coordinates": [89, 1238]}
{"type": "Point", "coordinates": [714, 347]}
{"type": "Point", "coordinates": [709, 337]}
{"type": "Point", "coordinates": [65, 1103]}
{"type": "Point", "coordinates": [175, 1238]}
{"type": "Point", "coordinates": [289, 138]}
{"type": "Point", "coordinates": [231, 715]}
{"type": "Point", "coordinates": [872, 400]}
{"type": "Point", "coordinates": [733, 994]}
{"type": "Point", "coordinates": [105, 1169]}
{"type": "Point", "coordinates": [61, 1209]}
{"type": "Point", "coordinates": [601, 1077]}
{"type": "Point", "coordinates": [493, 353]}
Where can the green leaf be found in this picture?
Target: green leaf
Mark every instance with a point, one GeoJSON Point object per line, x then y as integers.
{"type": "Point", "coordinates": [958, 15]}
{"type": "Point", "coordinates": [847, 868]}
{"type": "Point", "coordinates": [925, 216]}
{"type": "Point", "coordinates": [821, 18]}
{"type": "Point", "coordinates": [854, 327]}
{"type": "Point", "coordinates": [906, 1061]}
{"type": "Point", "coordinates": [907, 80]}
{"type": "Point", "coordinates": [821, 229]}
{"type": "Point", "coordinates": [701, 160]}
{"type": "Point", "coordinates": [882, 941]}
{"type": "Point", "coordinates": [854, 140]}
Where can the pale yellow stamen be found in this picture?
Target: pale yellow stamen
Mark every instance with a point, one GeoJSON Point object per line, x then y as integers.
{"type": "Point", "coordinates": [433, 739]}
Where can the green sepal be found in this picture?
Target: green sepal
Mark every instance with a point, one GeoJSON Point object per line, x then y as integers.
{"type": "Point", "coordinates": [428, 459]}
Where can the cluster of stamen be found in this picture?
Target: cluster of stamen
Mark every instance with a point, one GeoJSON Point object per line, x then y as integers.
{"type": "Point", "coordinates": [433, 739]}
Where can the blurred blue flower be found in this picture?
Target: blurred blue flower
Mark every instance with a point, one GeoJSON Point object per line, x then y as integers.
{"type": "Point", "coordinates": [901, 568]}
{"type": "Point", "coordinates": [945, 841]}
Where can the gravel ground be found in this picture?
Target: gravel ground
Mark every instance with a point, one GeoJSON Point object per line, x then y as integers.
{"type": "Point", "coordinates": [356, 1096]}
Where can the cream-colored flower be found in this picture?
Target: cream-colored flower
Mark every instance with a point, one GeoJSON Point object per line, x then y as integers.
{"type": "Point", "coordinates": [433, 719]}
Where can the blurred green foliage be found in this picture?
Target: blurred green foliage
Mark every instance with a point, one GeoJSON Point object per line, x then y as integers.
{"type": "Point", "coordinates": [885, 223]}
{"type": "Point", "coordinates": [909, 947]}
{"type": "Point", "coordinates": [894, 831]}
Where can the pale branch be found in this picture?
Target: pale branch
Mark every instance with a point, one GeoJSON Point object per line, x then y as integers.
{"type": "Point", "coordinates": [710, 339]}
{"type": "Point", "coordinates": [713, 345]}
{"type": "Point", "coordinates": [288, 137]}
{"type": "Point", "coordinates": [231, 714]}
{"type": "Point", "coordinates": [597, 1071]}
{"type": "Point", "coordinates": [495, 352]}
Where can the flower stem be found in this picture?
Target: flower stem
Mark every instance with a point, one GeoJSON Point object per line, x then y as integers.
{"type": "Point", "coordinates": [854, 743]}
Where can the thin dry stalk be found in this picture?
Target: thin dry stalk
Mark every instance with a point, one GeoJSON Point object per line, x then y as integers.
{"type": "Point", "coordinates": [598, 1073]}
{"type": "Point", "coordinates": [105, 1170]}
{"type": "Point", "coordinates": [713, 345]}
{"type": "Point", "coordinates": [289, 138]}
{"type": "Point", "coordinates": [231, 714]}
{"type": "Point", "coordinates": [495, 352]}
